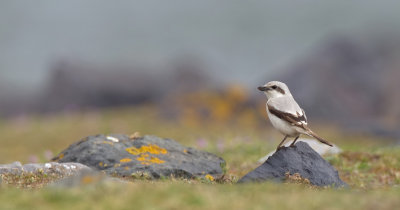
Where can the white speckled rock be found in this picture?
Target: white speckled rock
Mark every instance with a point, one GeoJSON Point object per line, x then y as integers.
{"type": "Point", "coordinates": [14, 167]}
{"type": "Point", "coordinates": [321, 149]}
{"type": "Point", "coordinates": [62, 169]}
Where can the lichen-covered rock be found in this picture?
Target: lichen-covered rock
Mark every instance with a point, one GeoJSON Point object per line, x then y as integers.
{"type": "Point", "coordinates": [301, 159]}
{"type": "Point", "coordinates": [155, 157]}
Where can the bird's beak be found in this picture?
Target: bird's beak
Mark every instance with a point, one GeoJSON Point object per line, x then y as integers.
{"type": "Point", "coordinates": [262, 88]}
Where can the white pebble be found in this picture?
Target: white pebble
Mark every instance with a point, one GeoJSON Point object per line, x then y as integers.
{"type": "Point", "coordinates": [113, 139]}
{"type": "Point", "coordinates": [47, 165]}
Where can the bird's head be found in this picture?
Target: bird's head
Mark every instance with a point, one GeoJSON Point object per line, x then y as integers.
{"type": "Point", "coordinates": [275, 89]}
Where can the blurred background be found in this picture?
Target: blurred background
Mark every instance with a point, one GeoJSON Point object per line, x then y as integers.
{"type": "Point", "coordinates": [196, 62]}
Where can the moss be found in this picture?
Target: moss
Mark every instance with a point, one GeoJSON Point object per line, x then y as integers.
{"type": "Point", "coordinates": [29, 180]}
{"type": "Point", "coordinates": [296, 178]}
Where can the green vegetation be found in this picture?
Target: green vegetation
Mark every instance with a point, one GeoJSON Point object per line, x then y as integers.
{"type": "Point", "coordinates": [370, 166]}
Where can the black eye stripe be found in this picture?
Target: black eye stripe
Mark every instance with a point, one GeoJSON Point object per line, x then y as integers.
{"type": "Point", "coordinates": [280, 90]}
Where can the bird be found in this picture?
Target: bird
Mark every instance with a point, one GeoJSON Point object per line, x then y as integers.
{"type": "Point", "coordinates": [285, 114]}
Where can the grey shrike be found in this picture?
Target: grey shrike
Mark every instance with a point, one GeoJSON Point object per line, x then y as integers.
{"type": "Point", "coordinates": [285, 114]}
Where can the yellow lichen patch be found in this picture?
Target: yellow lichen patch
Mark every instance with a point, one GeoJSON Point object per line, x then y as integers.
{"type": "Point", "coordinates": [101, 164]}
{"type": "Point", "coordinates": [126, 168]}
{"type": "Point", "coordinates": [107, 142]}
{"type": "Point", "coordinates": [156, 160]}
{"type": "Point", "coordinates": [125, 160]}
{"type": "Point", "coordinates": [60, 156]}
{"type": "Point", "coordinates": [185, 151]}
{"type": "Point", "coordinates": [151, 148]}
{"type": "Point", "coordinates": [209, 177]}
{"type": "Point", "coordinates": [142, 157]}
{"type": "Point", "coordinates": [117, 165]}
{"type": "Point", "coordinates": [145, 159]}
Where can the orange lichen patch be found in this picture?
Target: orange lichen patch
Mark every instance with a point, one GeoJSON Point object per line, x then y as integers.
{"type": "Point", "coordinates": [209, 177]}
{"type": "Point", "coordinates": [185, 151]}
{"type": "Point", "coordinates": [145, 159]}
{"type": "Point", "coordinates": [125, 160]}
{"type": "Point", "coordinates": [87, 179]}
{"type": "Point", "coordinates": [142, 157]}
{"type": "Point", "coordinates": [151, 148]}
{"type": "Point", "coordinates": [107, 142]}
{"type": "Point", "coordinates": [126, 168]}
{"type": "Point", "coordinates": [156, 160]}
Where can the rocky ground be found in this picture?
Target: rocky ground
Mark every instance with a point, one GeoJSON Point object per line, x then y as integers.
{"type": "Point", "coordinates": [369, 165]}
{"type": "Point", "coordinates": [152, 157]}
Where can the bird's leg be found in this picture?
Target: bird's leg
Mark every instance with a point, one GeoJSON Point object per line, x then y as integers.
{"type": "Point", "coordinates": [294, 141]}
{"type": "Point", "coordinates": [280, 144]}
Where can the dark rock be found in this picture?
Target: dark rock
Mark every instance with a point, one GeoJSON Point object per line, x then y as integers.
{"type": "Point", "coordinates": [149, 155]}
{"type": "Point", "coordinates": [298, 159]}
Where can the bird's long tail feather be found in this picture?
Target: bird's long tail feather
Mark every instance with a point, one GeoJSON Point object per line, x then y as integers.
{"type": "Point", "coordinates": [311, 133]}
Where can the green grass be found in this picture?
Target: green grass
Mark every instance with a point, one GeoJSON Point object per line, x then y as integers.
{"type": "Point", "coordinates": [178, 195]}
{"type": "Point", "coordinates": [370, 166]}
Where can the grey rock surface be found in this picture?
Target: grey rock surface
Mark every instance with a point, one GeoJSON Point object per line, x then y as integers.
{"type": "Point", "coordinates": [155, 157]}
{"type": "Point", "coordinates": [15, 167]}
{"type": "Point", "coordinates": [60, 169]}
{"type": "Point", "coordinates": [300, 159]}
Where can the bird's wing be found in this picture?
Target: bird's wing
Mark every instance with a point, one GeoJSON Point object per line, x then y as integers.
{"type": "Point", "coordinates": [286, 108]}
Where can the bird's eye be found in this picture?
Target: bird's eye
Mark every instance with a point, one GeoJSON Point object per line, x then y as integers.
{"type": "Point", "coordinates": [274, 87]}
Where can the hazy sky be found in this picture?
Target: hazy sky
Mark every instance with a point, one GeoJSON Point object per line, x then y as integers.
{"type": "Point", "coordinates": [239, 40]}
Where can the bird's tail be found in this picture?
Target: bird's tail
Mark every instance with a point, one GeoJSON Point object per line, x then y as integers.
{"type": "Point", "coordinates": [311, 133]}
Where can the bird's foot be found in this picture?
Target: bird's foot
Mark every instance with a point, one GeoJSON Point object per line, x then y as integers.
{"type": "Point", "coordinates": [291, 145]}
{"type": "Point", "coordinates": [279, 148]}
